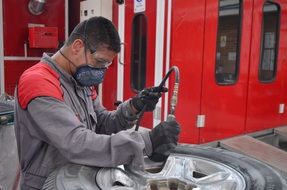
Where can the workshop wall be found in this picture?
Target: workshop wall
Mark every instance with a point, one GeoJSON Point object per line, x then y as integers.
{"type": "Point", "coordinates": [16, 18]}
{"type": "Point", "coordinates": [74, 14]}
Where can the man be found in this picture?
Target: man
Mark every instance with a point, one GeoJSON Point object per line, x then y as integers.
{"type": "Point", "coordinates": [59, 119]}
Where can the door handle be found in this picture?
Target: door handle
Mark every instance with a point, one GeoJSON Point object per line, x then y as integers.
{"type": "Point", "coordinates": [122, 54]}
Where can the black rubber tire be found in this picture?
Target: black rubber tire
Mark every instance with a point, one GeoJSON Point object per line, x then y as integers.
{"type": "Point", "coordinates": [257, 175]}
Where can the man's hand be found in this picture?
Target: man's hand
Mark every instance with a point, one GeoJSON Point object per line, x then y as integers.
{"type": "Point", "coordinates": [164, 138]}
{"type": "Point", "coordinates": [148, 97]}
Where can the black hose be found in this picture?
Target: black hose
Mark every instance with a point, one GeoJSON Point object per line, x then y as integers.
{"type": "Point", "coordinates": [174, 68]}
{"type": "Point", "coordinates": [173, 102]}
{"type": "Point", "coordinates": [140, 118]}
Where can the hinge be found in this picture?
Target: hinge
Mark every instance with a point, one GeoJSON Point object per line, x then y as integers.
{"type": "Point", "coordinates": [157, 113]}
{"type": "Point", "coordinates": [281, 108]}
{"type": "Point", "coordinates": [200, 121]}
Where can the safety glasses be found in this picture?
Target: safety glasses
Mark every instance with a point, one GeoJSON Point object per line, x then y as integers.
{"type": "Point", "coordinates": [100, 62]}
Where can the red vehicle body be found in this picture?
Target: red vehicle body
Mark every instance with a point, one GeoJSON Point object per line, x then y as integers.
{"type": "Point", "coordinates": [190, 35]}
{"type": "Point", "coordinates": [248, 104]}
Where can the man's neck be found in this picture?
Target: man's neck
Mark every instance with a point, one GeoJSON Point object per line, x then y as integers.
{"type": "Point", "coordinates": [62, 62]}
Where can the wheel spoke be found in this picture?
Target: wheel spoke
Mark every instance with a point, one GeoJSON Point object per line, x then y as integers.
{"type": "Point", "coordinates": [178, 167]}
{"type": "Point", "coordinates": [214, 178]}
{"type": "Point", "coordinates": [114, 179]}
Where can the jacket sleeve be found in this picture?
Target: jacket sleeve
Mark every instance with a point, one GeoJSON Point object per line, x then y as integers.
{"type": "Point", "coordinates": [56, 124]}
{"type": "Point", "coordinates": [114, 121]}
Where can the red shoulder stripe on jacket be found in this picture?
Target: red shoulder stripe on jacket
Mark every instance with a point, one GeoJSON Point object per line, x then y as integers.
{"type": "Point", "coordinates": [39, 80]}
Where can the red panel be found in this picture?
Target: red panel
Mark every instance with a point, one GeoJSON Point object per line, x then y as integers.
{"type": "Point", "coordinates": [43, 37]}
{"type": "Point", "coordinates": [263, 98]}
{"type": "Point", "coordinates": [151, 26]}
{"type": "Point", "coordinates": [13, 70]}
{"type": "Point", "coordinates": [74, 14]}
{"type": "Point", "coordinates": [282, 57]}
{"type": "Point", "coordinates": [16, 19]}
{"type": "Point", "coordinates": [16, 31]}
{"type": "Point", "coordinates": [224, 106]}
{"type": "Point", "coordinates": [110, 82]}
{"type": "Point", "coordinates": [193, 50]}
{"type": "Point", "coordinates": [186, 53]}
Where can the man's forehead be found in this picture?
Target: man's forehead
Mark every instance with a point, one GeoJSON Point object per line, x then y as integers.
{"type": "Point", "coordinates": [105, 50]}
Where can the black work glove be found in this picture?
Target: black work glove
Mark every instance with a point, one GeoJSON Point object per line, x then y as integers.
{"type": "Point", "coordinates": [164, 138]}
{"type": "Point", "coordinates": [148, 97]}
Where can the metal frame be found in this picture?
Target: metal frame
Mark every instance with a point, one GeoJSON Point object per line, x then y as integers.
{"type": "Point", "coordinates": [121, 57]}
{"type": "Point", "coordinates": [2, 78]}
{"type": "Point", "coordinates": [159, 47]}
{"type": "Point", "coordinates": [167, 54]}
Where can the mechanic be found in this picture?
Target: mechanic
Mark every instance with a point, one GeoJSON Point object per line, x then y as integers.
{"type": "Point", "coordinates": [59, 118]}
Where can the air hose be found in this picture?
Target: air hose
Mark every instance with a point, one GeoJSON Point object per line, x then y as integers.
{"type": "Point", "coordinates": [174, 97]}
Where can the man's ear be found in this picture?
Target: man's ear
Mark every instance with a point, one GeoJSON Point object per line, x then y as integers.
{"type": "Point", "coordinates": [78, 46]}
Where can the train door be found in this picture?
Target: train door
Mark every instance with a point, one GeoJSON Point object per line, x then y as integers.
{"type": "Point", "coordinates": [187, 34]}
{"type": "Point", "coordinates": [136, 68]}
{"type": "Point", "coordinates": [265, 90]}
{"type": "Point", "coordinates": [225, 68]}
{"type": "Point", "coordinates": [282, 58]}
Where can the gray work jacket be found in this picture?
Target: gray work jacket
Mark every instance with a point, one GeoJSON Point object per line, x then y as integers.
{"type": "Point", "coordinates": [52, 131]}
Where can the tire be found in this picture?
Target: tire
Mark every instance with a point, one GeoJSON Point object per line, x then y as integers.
{"type": "Point", "coordinates": [256, 175]}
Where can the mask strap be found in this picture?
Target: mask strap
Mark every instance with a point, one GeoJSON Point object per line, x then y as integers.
{"type": "Point", "coordinates": [84, 47]}
{"type": "Point", "coordinates": [85, 39]}
{"type": "Point", "coordinates": [67, 58]}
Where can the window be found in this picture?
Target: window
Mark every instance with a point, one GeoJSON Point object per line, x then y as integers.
{"type": "Point", "coordinates": [138, 52]}
{"type": "Point", "coordinates": [269, 42]}
{"type": "Point", "coordinates": [228, 42]}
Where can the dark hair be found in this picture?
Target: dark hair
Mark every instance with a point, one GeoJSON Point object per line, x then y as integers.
{"type": "Point", "coordinates": [96, 32]}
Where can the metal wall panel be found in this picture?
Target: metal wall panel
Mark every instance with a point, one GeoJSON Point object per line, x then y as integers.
{"type": "Point", "coordinates": [282, 57]}
{"type": "Point", "coordinates": [224, 105]}
{"type": "Point", "coordinates": [16, 18]}
{"type": "Point", "coordinates": [187, 33]}
{"type": "Point", "coordinates": [13, 70]}
{"type": "Point", "coordinates": [264, 98]}
{"type": "Point", "coordinates": [150, 13]}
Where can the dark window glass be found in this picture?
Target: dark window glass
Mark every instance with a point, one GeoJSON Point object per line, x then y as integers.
{"type": "Point", "coordinates": [138, 52]}
{"type": "Point", "coordinates": [228, 41]}
{"type": "Point", "coordinates": [269, 42]}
